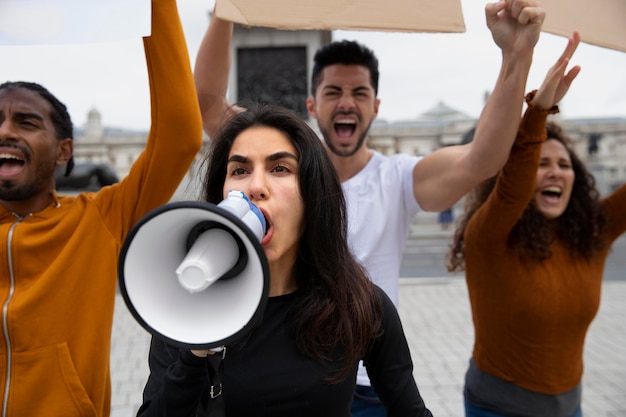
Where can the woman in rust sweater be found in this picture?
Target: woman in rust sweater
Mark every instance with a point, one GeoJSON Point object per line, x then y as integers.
{"type": "Point", "coordinates": [533, 242]}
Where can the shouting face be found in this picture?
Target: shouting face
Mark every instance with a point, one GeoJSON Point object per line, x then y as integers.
{"type": "Point", "coordinates": [344, 105]}
{"type": "Point", "coordinates": [555, 179]}
{"type": "Point", "coordinates": [263, 164]}
{"type": "Point", "coordinates": [29, 148]}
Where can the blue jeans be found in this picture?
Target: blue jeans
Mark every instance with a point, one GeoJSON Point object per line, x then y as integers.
{"type": "Point", "coordinates": [473, 411]}
{"type": "Point", "coordinates": [366, 403]}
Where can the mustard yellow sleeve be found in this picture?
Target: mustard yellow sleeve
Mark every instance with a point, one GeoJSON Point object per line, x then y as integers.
{"type": "Point", "coordinates": [175, 135]}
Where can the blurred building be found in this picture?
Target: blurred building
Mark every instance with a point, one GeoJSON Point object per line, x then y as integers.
{"type": "Point", "coordinates": [601, 142]}
{"type": "Point", "coordinates": [96, 144]}
{"type": "Point", "coordinates": [274, 66]}
{"type": "Point", "coordinates": [104, 155]}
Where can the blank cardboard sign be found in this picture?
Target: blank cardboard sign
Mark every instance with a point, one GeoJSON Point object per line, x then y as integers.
{"type": "Point", "coordinates": [599, 22]}
{"type": "Point", "coordinates": [387, 15]}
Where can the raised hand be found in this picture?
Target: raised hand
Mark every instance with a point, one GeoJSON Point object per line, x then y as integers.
{"type": "Point", "coordinates": [515, 25]}
{"type": "Point", "coordinates": [557, 81]}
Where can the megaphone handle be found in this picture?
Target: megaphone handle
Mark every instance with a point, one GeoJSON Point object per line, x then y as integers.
{"type": "Point", "coordinates": [215, 368]}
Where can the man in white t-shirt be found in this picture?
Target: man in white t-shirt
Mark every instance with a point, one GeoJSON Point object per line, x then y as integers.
{"type": "Point", "coordinates": [385, 193]}
{"type": "Point", "coordinates": [381, 208]}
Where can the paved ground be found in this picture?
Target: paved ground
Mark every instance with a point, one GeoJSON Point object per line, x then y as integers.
{"type": "Point", "coordinates": [435, 313]}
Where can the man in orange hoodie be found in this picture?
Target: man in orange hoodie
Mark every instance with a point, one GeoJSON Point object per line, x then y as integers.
{"type": "Point", "coordinates": [58, 254]}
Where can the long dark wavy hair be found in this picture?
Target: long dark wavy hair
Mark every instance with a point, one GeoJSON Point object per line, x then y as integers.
{"type": "Point", "coordinates": [580, 228]}
{"type": "Point", "coordinates": [338, 310]}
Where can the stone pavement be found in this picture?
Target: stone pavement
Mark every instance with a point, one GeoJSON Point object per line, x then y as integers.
{"type": "Point", "coordinates": [436, 316]}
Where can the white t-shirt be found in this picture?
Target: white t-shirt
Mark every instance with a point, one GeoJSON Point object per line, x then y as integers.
{"type": "Point", "coordinates": [381, 207]}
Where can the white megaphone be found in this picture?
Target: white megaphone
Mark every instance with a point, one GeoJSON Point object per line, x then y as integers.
{"type": "Point", "coordinates": [194, 273]}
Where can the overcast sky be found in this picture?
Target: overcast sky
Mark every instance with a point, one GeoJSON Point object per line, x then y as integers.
{"type": "Point", "coordinates": [418, 70]}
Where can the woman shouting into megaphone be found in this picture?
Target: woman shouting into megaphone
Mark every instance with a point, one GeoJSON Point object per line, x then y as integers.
{"type": "Point", "coordinates": [323, 313]}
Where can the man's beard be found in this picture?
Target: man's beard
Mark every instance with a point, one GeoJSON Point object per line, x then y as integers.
{"type": "Point", "coordinates": [9, 192]}
{"type": "Point", "coordinates": [340, 152]}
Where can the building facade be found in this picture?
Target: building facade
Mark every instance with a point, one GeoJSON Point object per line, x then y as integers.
{"type": "Point", "coordinates": [271, 65]}
{"type": "Point", "coordinates": [600, 142]}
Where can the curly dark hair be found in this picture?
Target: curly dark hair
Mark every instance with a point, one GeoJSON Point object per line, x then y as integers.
{"type": "Point", "coordinates": [60, 116]}
{"type": "Point", "coordinates": [581, 226]}
{"type": "Point", "coordinates": [338, 310]}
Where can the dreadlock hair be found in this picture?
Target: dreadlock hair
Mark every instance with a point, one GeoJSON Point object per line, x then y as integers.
{"type": "Point", "coordinates": [60, 117]}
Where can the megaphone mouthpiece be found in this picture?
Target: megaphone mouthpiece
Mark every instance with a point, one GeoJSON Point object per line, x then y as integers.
{"type": "Point", "coordinates": [237, 203]}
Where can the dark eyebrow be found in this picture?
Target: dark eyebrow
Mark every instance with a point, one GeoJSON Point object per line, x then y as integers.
{"type": "Point", "coordinates": [355, 89]}
{"type": "Point", "coordinates": [27, 115]}
{"type": "Point", "coordinates": [273, 157]}
{"type": "Point", "coordinates": [361, 87]}
{"type": "Point", "coordinates": [238, 158]}
{"type": "Point", "coordinates": [281, 155]}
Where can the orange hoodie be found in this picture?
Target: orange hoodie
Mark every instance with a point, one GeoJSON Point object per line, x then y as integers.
{"type": "Point", "coordinates": [58, 267]}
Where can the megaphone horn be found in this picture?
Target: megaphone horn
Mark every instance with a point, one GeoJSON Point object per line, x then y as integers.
{"type": "Point", "coordinates": [194, 273]}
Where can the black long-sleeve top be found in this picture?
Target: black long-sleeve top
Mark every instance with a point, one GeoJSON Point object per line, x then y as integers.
{"type": "Point", "coordinates": [268, 376]}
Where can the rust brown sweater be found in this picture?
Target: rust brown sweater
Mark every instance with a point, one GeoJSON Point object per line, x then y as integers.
{"type": "Point", "coordinates": [531, 317]}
